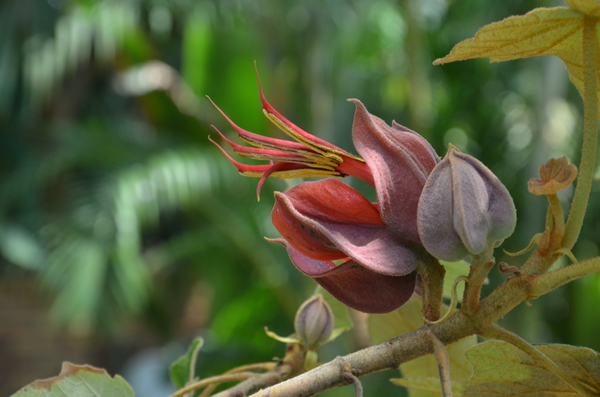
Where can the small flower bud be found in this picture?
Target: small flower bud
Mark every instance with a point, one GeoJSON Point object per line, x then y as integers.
{"type": "Point", "coordinates": [314, 322]}
{"type": "Point", "coordinates": [555, 175]}
{"type": "Point", "coordinates": [464, 208]}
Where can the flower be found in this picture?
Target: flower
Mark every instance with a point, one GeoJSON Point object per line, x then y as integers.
{"type": "Point", "coordinates": [464, 208]}
{"type": "Point", "coordinates": [309, 156]}
{"type": "Point", "coordinates": [326, 221]}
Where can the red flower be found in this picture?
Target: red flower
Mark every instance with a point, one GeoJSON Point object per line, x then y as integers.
{"type": "Point", "coordinates": [326, 221]}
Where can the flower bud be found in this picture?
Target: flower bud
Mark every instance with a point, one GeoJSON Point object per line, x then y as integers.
{"type": "Point", "coordinates": [555, 175]}
{"type": "Point", "coordinates": [314, 322]}
{"type": "Point", "coordinates": [464, 208]}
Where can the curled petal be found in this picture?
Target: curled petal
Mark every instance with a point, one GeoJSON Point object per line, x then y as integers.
{"type": "Point", "coordinates": [329, 220]}
{"type": "Point", "coordinates": [400, 161]}
{"type": "Point", "coordinates": [355, 285]}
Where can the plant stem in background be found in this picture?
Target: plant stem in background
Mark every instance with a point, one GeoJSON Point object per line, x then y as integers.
{"type": "Point", "coordinates": [590, 135]}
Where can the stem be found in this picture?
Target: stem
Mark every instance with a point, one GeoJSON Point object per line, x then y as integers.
{"type": "Point", "coordinates": [477, 276]}
{"type": "Point", "coordinates": [558, 215]}
{"type": "Point", "coordinates": [495, 332]}
{"type": "Point", "coordinates": [432, 278]}
{"type": "Point", "coordinates": [248, 367]}
{"type": "Point", "coordinates": [561, 276]}
{"type": "Point", "coordinates": [441, 356]}
{"type": "Point", "coordinates": [211, 380]}
{"type": "Point", "coordinates": [590, 135]}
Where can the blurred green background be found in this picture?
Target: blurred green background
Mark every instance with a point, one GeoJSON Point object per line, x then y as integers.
{"type": "Point", "coordinates": [124, 233]}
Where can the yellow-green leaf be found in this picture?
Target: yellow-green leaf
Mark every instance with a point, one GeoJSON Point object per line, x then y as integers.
{"type": "Point", "coordinates": [431, 385]}
{"type": "Point", "coordinates": [501, 369]}
{"type": "Point", "coordinates": [454, 270]}
{"type": "Point", "coordinates": [78, 381]}
{"type": "Point", "coordinates": [408, 318]}
{"type": "Point", "coordinates": [543, 31]}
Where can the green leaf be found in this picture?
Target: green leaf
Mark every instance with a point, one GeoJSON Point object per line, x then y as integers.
{"type": "Point", "coordinates": [78, 381]}
{"type": "Point", "coordinates": [502, 369]}
{"type": "Point", "coordinates": [543, 31]}
{"type": "Point", "coordinates": [406, 319]}
{"type": "Point", "coordinates": [431, 386]}
{"type": "Point", "coordinates": [454, 270]}
{"type": "Point", "coordinates": [183, 369]}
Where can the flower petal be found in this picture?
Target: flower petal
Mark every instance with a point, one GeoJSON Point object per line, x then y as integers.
{"type": "Point", "coordinates": [355, 285]}
{"type": "Point", "coordinates": [400, 161]}
{"type": "Point", "coordinates": [435, 216]}
{"type": "Point", "coordinates": [329, 220]}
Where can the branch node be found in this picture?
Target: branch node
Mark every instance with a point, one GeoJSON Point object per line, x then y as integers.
{"type": "Point", "coordinates": [349, 377]}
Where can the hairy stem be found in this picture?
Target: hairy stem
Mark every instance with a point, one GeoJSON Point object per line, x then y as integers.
{"type": "Point", "coordinates": [561, 276]}
{"type": "Point", "coordinates": [432, 278]}
{"type": "Point", "coordinates": [477, 276]}
{"type": "Point", "coordinates": [558, 215]}
{"type": "Point", "coordinates": [495, 332]}
{"type": "Point", "coordinates": [590, 135]}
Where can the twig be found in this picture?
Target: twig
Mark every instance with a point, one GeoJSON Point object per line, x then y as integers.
{"type": "Point", "coordinates": [259, 381]}
{"type": "Point", "coordinates": [250, 367]}
{"type": "Point", "coordinates": [441, 356]}
{"type": "Point", "coordinates": [213, 379]}
{"type": "Point", "coordinates": [556, 278]}
{"type": "Point", "coordinates": [348, 375]}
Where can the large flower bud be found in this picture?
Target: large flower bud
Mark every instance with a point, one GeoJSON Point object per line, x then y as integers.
{"type": "Point", "coordinates": [314, 322]}
{"type": "Point", "coordinates": [463, 209]}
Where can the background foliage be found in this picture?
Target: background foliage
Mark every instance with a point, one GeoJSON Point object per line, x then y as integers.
{"type": "Point", "coordinates": [113, 199]}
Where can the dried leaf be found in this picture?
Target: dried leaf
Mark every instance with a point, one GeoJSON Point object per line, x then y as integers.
{"type": "Point", "coordinates": [408, 318]}
{"type": "Point", "coordinates": [502, 369]}
{"type": "Point", "coordinates": [78, 381]}
{"type": "Point", "coordinates": [543, 31]}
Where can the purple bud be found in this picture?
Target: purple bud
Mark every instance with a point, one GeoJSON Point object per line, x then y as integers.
{"type": "Point", "coordinates": [314, 322]}
{"type": "Point", "coordinates": [463, 209]}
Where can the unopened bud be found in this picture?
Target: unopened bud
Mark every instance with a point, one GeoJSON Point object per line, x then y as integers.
{"type": "Point", "coordinates": [314, 322]}
{"type": "Point", "coordinates": [555, 175]}
{"type": "Point", "coordinates": [463, 209]}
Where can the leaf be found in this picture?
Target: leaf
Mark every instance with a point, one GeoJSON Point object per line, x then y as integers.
{"type": "Point", "coordinates": [406, 319]}
{"type": "Point", "coordinates": [502, 369]}
{"type": "Point", "coordinates": [182, 370]}
{"type": "Point", "coordinates": [454, 270]}
{"type": "Point", "coordinates": [543, 31]}
{"type": "Point", "coordinates": [431, 385]}
{"type": "Point", "coordinates": [78, 381]}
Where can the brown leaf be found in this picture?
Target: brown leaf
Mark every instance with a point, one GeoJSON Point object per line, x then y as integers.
{"type": "Point", "coordinates": [78, 381]}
